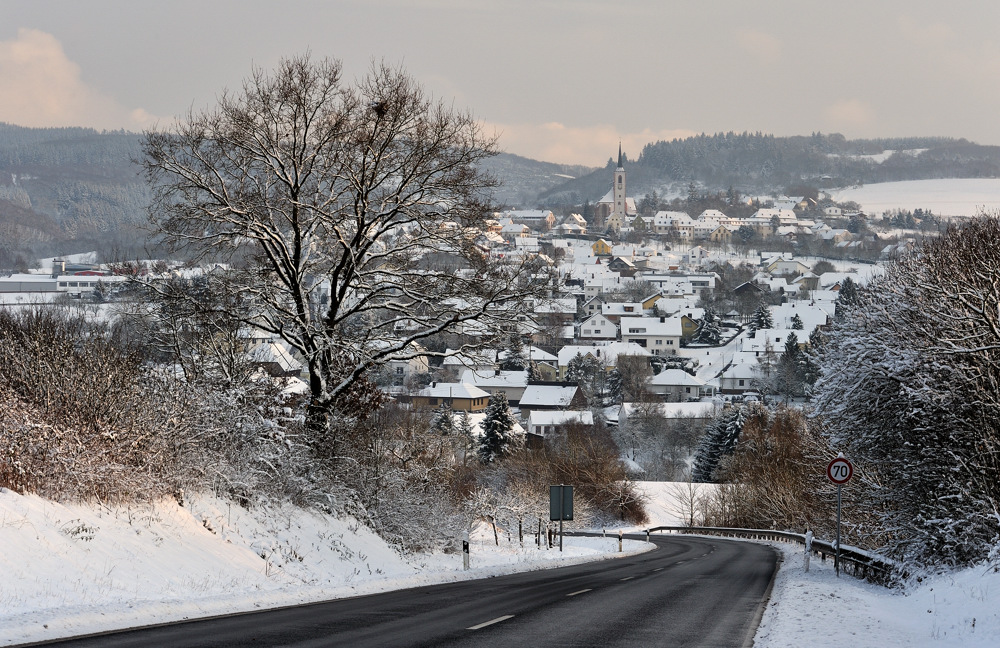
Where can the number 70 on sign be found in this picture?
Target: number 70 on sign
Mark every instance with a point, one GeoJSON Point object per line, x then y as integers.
{"type": "Point", "coordinates": [840, 471]}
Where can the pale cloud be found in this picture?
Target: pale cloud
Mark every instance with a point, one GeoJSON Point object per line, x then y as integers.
{"type": "Point", "coordinates": [588, 145]}
{"type": "Point", "coordinates": [924, 33]}
{"type": "Point", "coordinates": [849, 115]}
{"type": "Point", "coordinates": [763, 47]}
{"type": "Point", "coordinates": [42, 87]}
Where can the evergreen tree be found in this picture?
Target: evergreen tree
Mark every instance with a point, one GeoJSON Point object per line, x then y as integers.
{"type": "Point", "coordinates": [498, 428]}
{"type": "Point", "coordinates": [463, 432]}
{"type": "Point", "coordinates": [797, 322]}
{"type": "Point", "coordinates": [848, 297]}
{"type": "Point", "coordinates": [811, 357]}
{"type": "Point", "coordinates": [791, 369]}
{"type": "Point", "coordinates": [614, 385]}
{"type": "Point", "coordinates": [514, 357]}
{"type": "Point", "coordinates": [761, 318]}
{"type": "Point", "coordinates": [444, 421]}
{"type": "Point", "coordinates": [709, 331]}
{"type": "Point", "coordinates": [720, 440]}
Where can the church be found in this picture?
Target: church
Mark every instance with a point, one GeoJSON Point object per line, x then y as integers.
{"type": "Point", "coordinates": [615, 209]}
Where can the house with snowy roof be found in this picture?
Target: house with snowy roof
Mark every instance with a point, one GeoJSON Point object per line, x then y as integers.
{"type": "Point", "coordinates": [676, 385]}
{"type": "Point", "coordinates": [811, 315]}
{"type": "Point", "coordinates": [658, 335]}
{"type": "Point", "coordinates": [542, 423]}
{"type": "Point", "coordinates": [509, 383]}
{"type": "Point", "coordinates": [539, 220]}
{"type": "Point", "coordinates": [738, 377]}
{"type": "Point", "coordinates": [597, 327]}
{"type": "Point", "coordinates": [460, 397]}
{"type": "Point", "coordinates": [551, 396]}
{"type": "Point", "coordinates": [607, 354]}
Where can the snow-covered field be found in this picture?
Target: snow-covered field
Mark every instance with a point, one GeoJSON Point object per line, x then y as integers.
{"type": "Point", "coordinates": [79, 569]}
{"type": "Point", "coordinates": [944, 197]}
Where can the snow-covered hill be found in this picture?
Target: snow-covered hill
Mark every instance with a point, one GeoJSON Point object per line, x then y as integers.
{"type": "Point", "coordinates": [945, 197]}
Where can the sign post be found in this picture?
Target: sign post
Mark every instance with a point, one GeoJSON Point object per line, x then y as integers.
{"type": "Point", "coordinates": [560, 507]}
{"type": "Point", "coordinates": [840, 472]}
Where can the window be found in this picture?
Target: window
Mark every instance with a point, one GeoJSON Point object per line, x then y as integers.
{"type": "Point", "coordinates": [660, 342]}
{"type": "Point", "coordinates": [741, 382]}
{"type": "Point", "coordinates": [434, 401]}
{"type": "Point", "coordinates": [399, 371]}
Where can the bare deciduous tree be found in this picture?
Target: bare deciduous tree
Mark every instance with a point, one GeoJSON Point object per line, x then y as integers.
{"type": "Point", "coordinates": [356, 208]}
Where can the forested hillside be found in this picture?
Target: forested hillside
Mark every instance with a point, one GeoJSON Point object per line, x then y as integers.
{"type": "Point", "coordinates": [66, 190]}
{"type": "Point", "coordinates": [762, 163]}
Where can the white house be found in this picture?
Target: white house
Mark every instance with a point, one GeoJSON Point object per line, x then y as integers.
{"type": "Point", "coordinates": [546, 422]}
{"type": "Point", "coordinates": [598, 327]}
{"type": "Point", "coordinates": [509, 383]}
{"type": "Point", "coordinates": [658, 335]}
{"type": "Point", "coordinates": [675, 385]}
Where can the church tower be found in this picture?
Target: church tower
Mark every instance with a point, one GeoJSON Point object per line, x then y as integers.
{"type": "Point", "coordinates": [616, 219]}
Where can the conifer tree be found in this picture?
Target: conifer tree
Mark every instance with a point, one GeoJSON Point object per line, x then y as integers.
{"type": "Point", "coordinates": [498, 428]}
{"type": "Point", "coordinates": [720, 440]}
{"type": "Point", "coordinates": [444, 421]}
{"type": "Point", "coordinates": [797, 322]}
{"type": "Point", "coordinates": [761, 319]}
{"type": "Point", "coordinates": [463, 433]}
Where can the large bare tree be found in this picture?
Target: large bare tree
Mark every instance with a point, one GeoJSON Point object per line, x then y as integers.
{"type": "Point", "coordinates": [353, 208]}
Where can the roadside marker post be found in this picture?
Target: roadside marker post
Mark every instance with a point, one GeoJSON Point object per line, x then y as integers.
{"type": "Point", "coordinates": [840, 472]}
{"type": "Point", "coordinates": [465, 552]}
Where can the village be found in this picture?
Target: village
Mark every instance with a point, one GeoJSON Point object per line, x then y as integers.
{"type": "Point", "coordinates": [664, 316]}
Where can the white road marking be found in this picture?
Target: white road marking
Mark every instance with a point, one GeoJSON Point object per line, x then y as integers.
{"type": "Point", "coordinates": [491, 622]}
{"type": "Point", "coordinates": [659, 569]}
{"type": "Point", "coordinates": [580, 592]}
{"type": "Point", "coordinates": [629, 578]}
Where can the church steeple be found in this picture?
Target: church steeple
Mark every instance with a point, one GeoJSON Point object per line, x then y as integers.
{"type": "Point", "coordinates": [619, 210]}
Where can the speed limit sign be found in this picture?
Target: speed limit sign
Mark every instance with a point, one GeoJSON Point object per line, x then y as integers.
{"type": "Point", "coordinates": [840, 470]}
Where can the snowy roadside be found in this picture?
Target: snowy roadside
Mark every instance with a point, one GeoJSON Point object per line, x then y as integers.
{"type": "Point", "coordinates": [79, 569]}
{"type": "Point", "coordinates": [819, 609]}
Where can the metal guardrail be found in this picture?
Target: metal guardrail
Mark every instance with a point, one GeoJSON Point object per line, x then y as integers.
{"type": "Point", "coordinates": [858, 563]}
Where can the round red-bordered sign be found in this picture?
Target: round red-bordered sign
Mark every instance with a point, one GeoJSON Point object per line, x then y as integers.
{"type": "Point", "coordinates": [840, 471]}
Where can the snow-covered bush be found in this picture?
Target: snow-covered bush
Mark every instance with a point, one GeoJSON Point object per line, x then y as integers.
{"type": "Point", "coordinates": [83, 418]}
{"type": "Point", "coordinates": [910, 392]}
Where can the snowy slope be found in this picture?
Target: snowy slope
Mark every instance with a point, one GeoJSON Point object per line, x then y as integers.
{"type": "Point", "coordinates": [944, 197]}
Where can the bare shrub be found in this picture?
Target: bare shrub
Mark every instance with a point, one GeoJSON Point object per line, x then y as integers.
{"type": "Point", "coordinates": [773, 476]}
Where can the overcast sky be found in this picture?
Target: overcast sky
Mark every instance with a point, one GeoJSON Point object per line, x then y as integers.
{"type": "Point", "coordinates": [560, 80]}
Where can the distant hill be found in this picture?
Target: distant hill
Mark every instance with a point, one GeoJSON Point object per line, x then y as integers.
{"type": "Point", "coordinates": [523, 179]}
{"type": "Point", "coordinates": [755, 162]}
{"type": "Point", "coordinates": [67, 190]}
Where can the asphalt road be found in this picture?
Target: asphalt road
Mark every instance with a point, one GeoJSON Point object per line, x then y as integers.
{"type": "Point", "coordinates": [690, 591]}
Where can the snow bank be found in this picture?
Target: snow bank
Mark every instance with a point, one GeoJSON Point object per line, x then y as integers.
{"type": "Point", "coordinates": [75, 569]}
{"type": "Point", "coordinates": [819, 609]}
